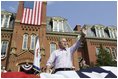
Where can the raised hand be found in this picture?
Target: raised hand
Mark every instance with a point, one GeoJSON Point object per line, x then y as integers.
{"type": "Point", "coordinates": [83, 34]}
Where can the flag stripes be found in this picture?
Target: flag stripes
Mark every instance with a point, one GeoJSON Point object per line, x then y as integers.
{"type": "Point", "coordinates": [32, 16]}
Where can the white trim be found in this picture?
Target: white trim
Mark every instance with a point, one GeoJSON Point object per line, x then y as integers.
{"type": "Point", "coordinates": [62, 26]}
{"type": "Point", "coordinates": [103, 32]}
{"type": "Point", "coordinates": [3, 21]}
{"type": "Point", "coordinates": [8, 21]}
{"type": "Point", "coordinates": [31, 41]}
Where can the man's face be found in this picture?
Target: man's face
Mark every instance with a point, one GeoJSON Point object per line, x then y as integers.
{"type": "Point", "coordinates": [63, 43]}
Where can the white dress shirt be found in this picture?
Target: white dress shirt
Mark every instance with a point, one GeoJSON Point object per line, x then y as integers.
{"type": "Point", "coordinates": [62, 58]}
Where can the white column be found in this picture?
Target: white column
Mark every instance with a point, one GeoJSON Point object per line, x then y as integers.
{"type": "Point", "coordinates": [62, 26]}
{"type": "Point", "coordinates": [53, 25]}
{"type": "Point", "coordinates": [58, 25]}
{"type": "Point", "coordinates": [100, 34]}
{"type": "Point", "coordinates": [103, 32]}
{"type": "Point", "coordinates": [3, 21]}
{"type": "Point", "coordinates": [8, 21]}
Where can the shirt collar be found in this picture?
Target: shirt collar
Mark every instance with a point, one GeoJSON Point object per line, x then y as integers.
{"type": "Point", "coordinates": [63, 49]}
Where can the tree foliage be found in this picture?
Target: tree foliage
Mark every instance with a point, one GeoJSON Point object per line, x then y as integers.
{"type": "Point", "coordinates": [104, 58]}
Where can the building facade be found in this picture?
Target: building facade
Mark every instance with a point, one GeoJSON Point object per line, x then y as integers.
{"type": "Point", "coordinates": [97, 35]}
{"type": "Point", "coordinates": [18, 40]}
{"type": "Point", "coordinates": [19, 48]}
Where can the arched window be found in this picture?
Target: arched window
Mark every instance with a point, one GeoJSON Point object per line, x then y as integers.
{"type": "Point", "coordinates": [97, 50]}
{"type": "Point", "coordinates": [52, 47]}
{"type": "Point", "coordinates": [107, 49]}
{"type": "Point", "coordinates": [32, 43]}
{"type": "Point", "coordinates": [25, 41]}
{"type": "Point", "coordinates": [114, 53]}
{"type": "Point", "coordinates": [4, 48]}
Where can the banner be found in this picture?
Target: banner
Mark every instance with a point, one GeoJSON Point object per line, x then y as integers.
{"type": "Point", "coordinates": [37, 56]}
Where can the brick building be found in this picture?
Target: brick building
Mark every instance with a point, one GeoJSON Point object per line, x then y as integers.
{"type": "Point", "coordinates": [18, 40]}
{"type": "Point", "coordinates": [96, 35]}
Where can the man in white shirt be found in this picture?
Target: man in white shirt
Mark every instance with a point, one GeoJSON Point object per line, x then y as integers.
{"type": "Point", "coordinates": [61, 59]}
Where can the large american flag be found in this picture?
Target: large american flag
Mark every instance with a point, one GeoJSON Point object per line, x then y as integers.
{"type": "Point", "coordinates": [32, 12]}
{"type": "Point", "coordinates": [93, 72]}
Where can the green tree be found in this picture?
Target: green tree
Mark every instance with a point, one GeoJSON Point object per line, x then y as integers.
{"type": "Point", "coordinates": [104, 58]}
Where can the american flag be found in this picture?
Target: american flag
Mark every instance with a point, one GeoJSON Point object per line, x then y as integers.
{"type": "Point", "coordinates": [93, 72]}
{"type": "Point", "coordinates": [32, 12]}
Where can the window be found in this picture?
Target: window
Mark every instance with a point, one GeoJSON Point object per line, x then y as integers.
{"type": "Point", "coordinates": [113, 34]}
{"type": "Point", "coordinates": [114, 53]}
{"type": "Point", "coordinates": [98, 35]}
{"type": "Point", "coordinates": [32, 43]}
{"type": "Point", "coordinates": [58, 26]}
{"type": "Point", "coordinates": [25, 41]}
{"type": "Point", "coordinates": [55, 24]}
{"type": "Point", "coordinates": [107, 49]}
{"type": "Point", "coordinates": [97, 31]}
{"type": "Point", "coordinates": [6, 21]}
{"type": "Point", "coordinates": [97, 50]}
{"type": "Point", "coordinates": [52, 47]}
{"type": "Point", "coordinates": [4, 48]}
{"type": "Point", "coordinates": [102, 32]}
{"type": "Point", "coordinates": [61, 26]}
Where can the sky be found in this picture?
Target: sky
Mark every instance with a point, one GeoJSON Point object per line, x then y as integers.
{"type": "Point", "coordinates": [77, 12]}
